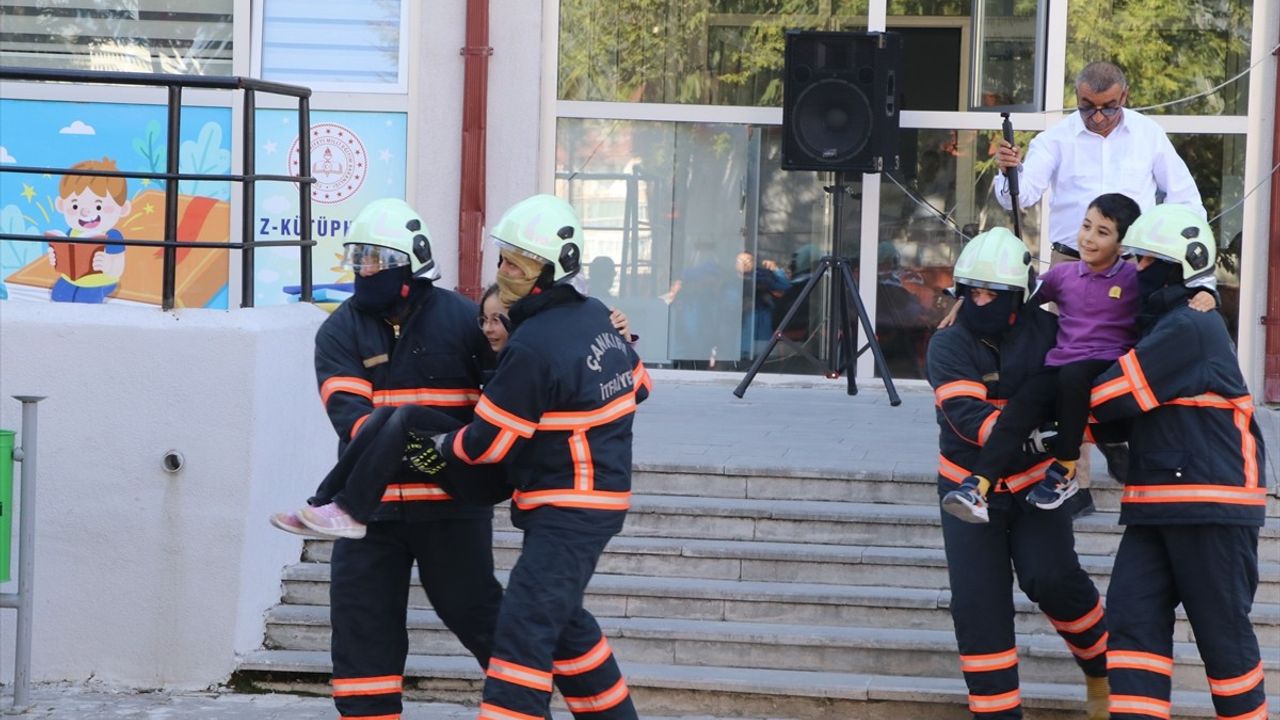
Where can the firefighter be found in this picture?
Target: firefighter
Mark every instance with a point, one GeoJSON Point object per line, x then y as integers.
{"type": "Point", "coordinates": [558, 412]}
{"type": "Point", "coordinates": [998, 342]}
{"type": "Point", "coordinates": [1196, 493]}
{"type": "Point", "coordinates": [401, 342]}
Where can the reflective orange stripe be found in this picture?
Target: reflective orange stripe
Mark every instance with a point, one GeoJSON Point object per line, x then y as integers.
{"type": "Point", "coordinates": [1226, 494]}
{"type": "Point", "coordinates": [519, 675]}
{"type": "Point", "coordinates": [950, 470]}
{"type": "Point", "coordinates": [1081, 624]}
{"type": "Point", "coordinates": [984, 430]}
{"type": "Point", "coordinates": [435, 397]}
{"type": "Point", "coordinates": [381, 685]}
{"type": "Point", "coordinates": [1259, 713]}
{"type": "Point", "coordinates": [594, 499]}
{"type": "Point", "coordinates": [584, 471]}
{"type": "Point", "coordinates": [620, 407]}
{"type": "Point", "coordinates": [497, 450]}
{"type": "Point", "coordinates": [489, 711]}
{"type": "Point", "coordinates": [1242, 415]}
{"type": "Point", "coordinates": [1139, 705]}
{"type": "Point", "coordinates": [347, 384]}
{"type": "Point", "coordinates": [959, 388]}
{"type": "Point", "coordinates": [409, 492]}
{"type": "Point", "coordinates": [355, 427]}
{"type": "Point", "coordinates": [459, 449]}
{"type": "Point", "coordinates": [640, 376]}
{"type": "Point", "coordinates": [1133, 660]}
{"type": "Point", "coordinates": [1239, 684]}
{"type": "Point", "coordinates": [1028, 477]}
{"type": "Point", "coordinates": [989, 662]}
{"type": "Point", "coordinates": [1109, 391]}
{"type": "Point", "coordinates": [1141, 389]}
{"type": "Point", "coordinates": [586, 662]}
{"type": "Point", "coordinates": [1092, 651]}
{"type": "Point", "coordinates": [995, 703]}
{"type": "Point", "coordinates": [599, 703]}
{"type": "Point", "coordinates": [494, 415]}
{"type": "Point", "coordinates": [1015, 482]}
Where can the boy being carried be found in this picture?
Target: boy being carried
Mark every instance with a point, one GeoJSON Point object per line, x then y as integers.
{"type": "Point", "coordinates": [1097, 300]}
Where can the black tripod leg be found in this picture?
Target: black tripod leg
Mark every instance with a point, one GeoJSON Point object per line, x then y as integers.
{"type": "Point", "coordinates": [848, 336]}
{"type": "Point", "coordinates": [777, 332]}
{"type": "Point", "coordinates": [851, 296]}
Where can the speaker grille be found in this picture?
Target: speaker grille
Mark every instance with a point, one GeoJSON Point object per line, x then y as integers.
{"type": "Point", "coordinates": [831, 120]}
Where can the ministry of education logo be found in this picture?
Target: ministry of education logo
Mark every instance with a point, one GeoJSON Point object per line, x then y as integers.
{"type": "Point", "coordinates": [338, 162]}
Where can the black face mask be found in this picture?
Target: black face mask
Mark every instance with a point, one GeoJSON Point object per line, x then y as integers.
{"type": "Point", "coordinates": [378, 293]}
{"type": "Point", "coordinates": [1157, 275]}
{"type": "Point", "coordinates": [991, 320]}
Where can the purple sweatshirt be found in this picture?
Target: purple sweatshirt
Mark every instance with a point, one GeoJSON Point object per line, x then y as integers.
{"type": "Point", "coordinates": [1096, 311]}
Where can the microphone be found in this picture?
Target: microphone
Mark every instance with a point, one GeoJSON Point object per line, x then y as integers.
{"type": "Point", "coordinates": [1007, 127]}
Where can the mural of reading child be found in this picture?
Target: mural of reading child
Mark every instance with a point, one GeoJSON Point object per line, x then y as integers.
{"type": "Point", "coordinates": [92, 205]}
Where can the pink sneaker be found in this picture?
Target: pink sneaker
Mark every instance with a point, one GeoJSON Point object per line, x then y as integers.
{"type": "Point", "coordinates": [290, 523]}
{"type": "Point", "coordinates": [331, 521]}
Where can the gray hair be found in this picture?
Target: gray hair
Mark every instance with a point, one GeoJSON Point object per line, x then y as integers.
{"type": "Point", "coordinates": [1100, 76]}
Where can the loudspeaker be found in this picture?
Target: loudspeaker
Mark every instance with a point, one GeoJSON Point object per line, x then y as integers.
{"type": "Point", "coordinates": [840, 98]}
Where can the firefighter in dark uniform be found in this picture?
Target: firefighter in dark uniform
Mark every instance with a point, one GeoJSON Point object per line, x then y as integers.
{"type": "Point", "coordinates": [1195, 495]}
{"type": "Point", "coordinates": [999, 341]}
{"type": "Point", "coordinates": [558, 413]}
{"type": "Point", "coordinates": [399, 342]}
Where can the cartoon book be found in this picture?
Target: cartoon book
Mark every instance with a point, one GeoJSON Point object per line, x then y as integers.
{"type": "Point", "coordinates": [75, 260]}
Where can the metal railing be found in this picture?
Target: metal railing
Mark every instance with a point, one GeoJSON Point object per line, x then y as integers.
{"type": "Point", "coordinates": [175, 85]}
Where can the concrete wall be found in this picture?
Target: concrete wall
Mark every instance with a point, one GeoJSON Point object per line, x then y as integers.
{"type": "Point", "coordinates": [513, 120]}
{"type": "Point", "coordinates": [146, 578]}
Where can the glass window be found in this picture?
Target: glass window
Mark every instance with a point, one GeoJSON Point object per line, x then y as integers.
{"type": "Point", "coordinates": [1217, 164]}
{"type": "Point", "coordinates": [334, 46]}
{"type": "Point", "coordinates": [696, 232]}
{"type": "Point", "coordinates": [951, 172]}
{"type": "Point", "coordinates": [717, 52]}
{"type": "Point", "coordinates": [191, 37]}
{"type": "Point", "coordinates": [1168, 50]}
{"type": "Point", "coordinates": [1008, 58]}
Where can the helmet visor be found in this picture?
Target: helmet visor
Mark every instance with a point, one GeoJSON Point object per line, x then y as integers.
{"type": "Point", "coordinates": [506, 247]}
{"type": "Point", "coordinates": [369, 259]}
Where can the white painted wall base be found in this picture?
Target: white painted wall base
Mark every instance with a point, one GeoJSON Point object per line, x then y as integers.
{"type": "Point", "coordinates": [145, 578]}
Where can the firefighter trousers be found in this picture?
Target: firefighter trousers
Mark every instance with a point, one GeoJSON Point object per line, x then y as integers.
{"type": "Point", "coordinates": [545, 636]}
{"type": "Point", "coordinates": [1212, 570]}
{"type": "Point", "coordinates": [981, 560]}
{"type": "Point", "coordinates": [369, 592]}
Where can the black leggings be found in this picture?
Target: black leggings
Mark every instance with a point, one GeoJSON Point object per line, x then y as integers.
{"type": "Point", "coordinates": [1061, 392]}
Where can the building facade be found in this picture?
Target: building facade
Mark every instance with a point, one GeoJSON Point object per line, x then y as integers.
{"type": "Point", "coordinates": [661, 121]}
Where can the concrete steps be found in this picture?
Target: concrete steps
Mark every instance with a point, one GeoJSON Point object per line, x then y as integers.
{"type": "Point", "coordinates": [780, 594]}
{"type": "Point", "coordinates": [723, 691]}
{"type": "Point", "coordinates": [765, 646]}
{"type": "Point", "coordinates": [808, 604]}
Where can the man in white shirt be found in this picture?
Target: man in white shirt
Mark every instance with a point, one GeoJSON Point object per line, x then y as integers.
{"type": "Point", "coordinates": [1102, 149]}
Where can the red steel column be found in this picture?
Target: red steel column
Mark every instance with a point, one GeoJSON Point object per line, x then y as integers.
{"type": "Point", "coordinates": [475, 102]}
{"type": "Point", "coordinates": [1271, 320]}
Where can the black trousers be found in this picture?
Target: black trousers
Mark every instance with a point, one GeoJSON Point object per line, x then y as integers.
{"type": "Point", "coordinates": [545, 637]}
{"type": "Point", "coordinates": [368, 596]}
{"type": "Point", "coordinates": [1212, 570]}
{"type": "Point", "coordinates": [375, 457]}
{"type": "Point", "coordinates": [1061, 392]}
{"type": "Point", "coordinates": [1039, 547]}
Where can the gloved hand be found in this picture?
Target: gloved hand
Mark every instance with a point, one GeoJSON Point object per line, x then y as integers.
{"type": "Point", "coordinates": [1041, 440]}
{"type": "Point", "coordinates": [421, 454]}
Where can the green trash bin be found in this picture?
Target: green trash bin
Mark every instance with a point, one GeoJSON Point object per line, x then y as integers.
{"type": "Point", "coordinates": [6, 501]}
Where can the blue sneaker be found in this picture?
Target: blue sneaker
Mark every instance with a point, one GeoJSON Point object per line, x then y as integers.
{"type": "Point", "coordinates": [966, 502]}
{"type": "Point", "coordinates": [1058, 485]}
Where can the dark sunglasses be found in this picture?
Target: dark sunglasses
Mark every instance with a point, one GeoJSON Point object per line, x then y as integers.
{"type": "Point", "coordinates": [1088, 110]}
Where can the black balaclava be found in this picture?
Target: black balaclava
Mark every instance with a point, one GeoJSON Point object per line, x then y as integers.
{"type": "Point", "coordinates": [1157, 275]}
{"type": "Point", "coordinates": [378, 293]}
{"type": "Point", "coordinates": [993, 319]}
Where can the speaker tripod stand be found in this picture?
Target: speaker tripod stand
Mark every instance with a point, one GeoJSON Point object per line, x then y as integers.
{"type": "Point", "coordinates": [845, 305]}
